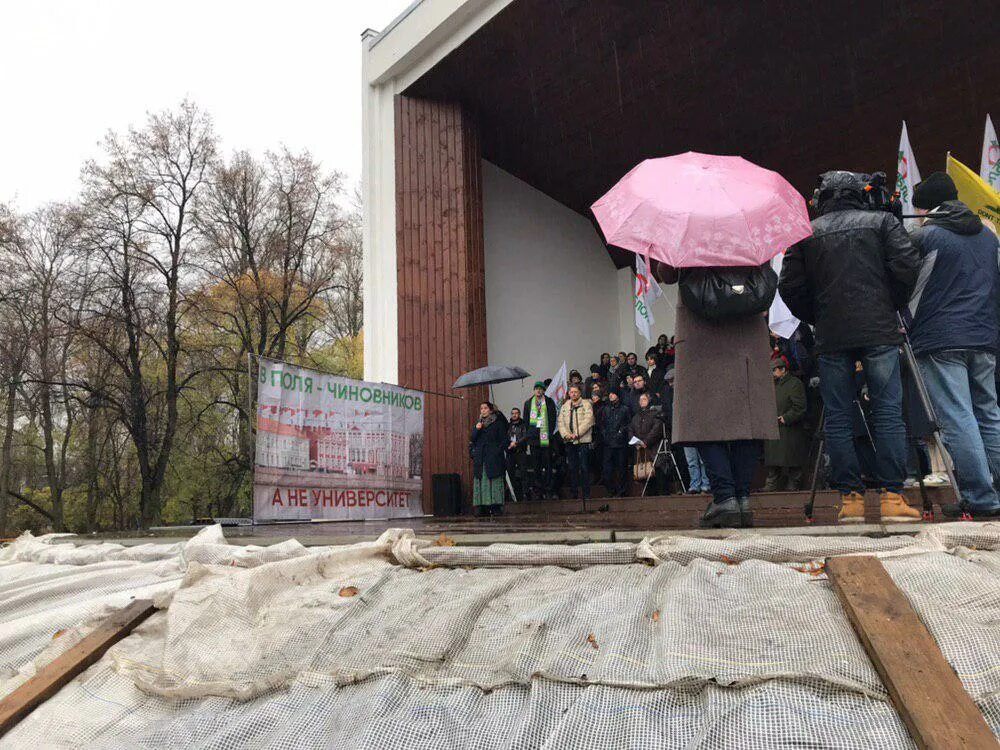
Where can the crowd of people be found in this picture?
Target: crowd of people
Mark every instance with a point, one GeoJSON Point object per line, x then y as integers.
{"type": "Point", "coordinates": [714, 407]}
{"type": "Point", "coordinates": [619, 412]}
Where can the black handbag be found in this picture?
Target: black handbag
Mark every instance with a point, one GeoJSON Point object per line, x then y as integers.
{"type": "Point", "coordinates": [718, 294]}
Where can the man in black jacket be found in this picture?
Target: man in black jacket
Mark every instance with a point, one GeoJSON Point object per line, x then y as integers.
{"type": "Point", "coordinates": [655, 371]}
{"type": "Point", "coordinates": [613, 420]}
{"type": "Point", "coordinates": [955, 334]}
{"type": "Point", "coordinates": [632, 366]}
{"type": "Point", "coordinates": [517, 452]}
{"type": "Point", "coordinates": [849, 279]}
{"type": "Point", "coordinates": [595, 377]}
{"type": "Point", "coordinates": [631, 398]}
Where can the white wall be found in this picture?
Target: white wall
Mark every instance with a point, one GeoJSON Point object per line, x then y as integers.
{"type": "Point", "coordinates": [552, 291]}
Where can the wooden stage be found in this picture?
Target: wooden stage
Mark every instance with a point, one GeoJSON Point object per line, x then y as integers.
{"type": "Point", "coordinates": [601, 519]}
{"type": "Point", "coordinates": [771, 509]}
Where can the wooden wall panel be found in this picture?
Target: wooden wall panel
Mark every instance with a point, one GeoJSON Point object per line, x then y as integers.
{"type": "Point", "coordinates": [440, 274]}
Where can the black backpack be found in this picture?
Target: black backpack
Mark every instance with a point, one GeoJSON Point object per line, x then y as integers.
{"type": "Point", "coordinates": [723, 293]}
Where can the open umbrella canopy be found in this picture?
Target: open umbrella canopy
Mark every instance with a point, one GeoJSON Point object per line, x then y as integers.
{"type": "Point", "coordinates": [697, 209]}
{"type": "Point", "coordinates": [491, 376]}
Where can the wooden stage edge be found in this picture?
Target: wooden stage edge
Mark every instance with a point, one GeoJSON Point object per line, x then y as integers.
{"type": "Point", "coordinates": [771, 509]}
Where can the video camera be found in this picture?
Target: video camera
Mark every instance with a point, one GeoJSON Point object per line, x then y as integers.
{"type": "Point", "coordinates": [874, 189]}
{"type": "Point", "coordinates": [877, 194]}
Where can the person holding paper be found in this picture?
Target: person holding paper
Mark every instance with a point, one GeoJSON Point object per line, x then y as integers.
{"type": "Point", "coordinates": [646, 431]}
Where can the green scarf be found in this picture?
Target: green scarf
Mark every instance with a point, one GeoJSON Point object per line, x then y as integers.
{"type": "Point", "coordinates": [540, 419]}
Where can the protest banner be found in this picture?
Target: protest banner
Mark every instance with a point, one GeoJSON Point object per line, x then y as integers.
{"type": "Point", "coordinates": [333, 448]}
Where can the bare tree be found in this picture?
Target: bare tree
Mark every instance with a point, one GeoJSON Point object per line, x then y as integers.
{"type": "Point", "coordinates": [345, 313]}
{"type": "Point", "coordinates": [270, 249]}
{"type": "Point", "coordinates": [141, 200]}
{"type": "Point", "coordinates": [45, 249]}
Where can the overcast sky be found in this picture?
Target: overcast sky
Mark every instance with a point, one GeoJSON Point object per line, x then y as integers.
{"type": "Point", "coordinates": [269, 72]}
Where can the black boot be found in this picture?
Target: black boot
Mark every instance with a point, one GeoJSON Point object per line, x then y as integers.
{"type": "Point", "coordinates": [965, 512]}
{"type": "Point", "coordinates": [746, 515]}
{"type": "Point", "coordinates": [722, 515]}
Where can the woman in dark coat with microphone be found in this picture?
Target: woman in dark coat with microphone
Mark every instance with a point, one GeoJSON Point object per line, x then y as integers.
{"type": "Point", "coordinates": [487, 444]}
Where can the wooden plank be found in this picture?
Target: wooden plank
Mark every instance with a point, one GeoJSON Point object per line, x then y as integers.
{"type": "Point", "coordinates": [54, 675]}
{"type": "Point", "coordinates": [923, 687]}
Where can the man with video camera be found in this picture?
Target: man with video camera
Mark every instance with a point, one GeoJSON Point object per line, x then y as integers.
{"type": "Point", "coordinates": [848, 280]}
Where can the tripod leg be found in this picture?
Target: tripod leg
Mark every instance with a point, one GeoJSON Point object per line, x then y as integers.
{"type": "Point", "coordinates": [928, 506]}
{"type": "Point", "coordinates": [677, 471]}
{"type": "Point", "coordinates": [810, 505]}
{"type": "Point", "coordinates": [648, 477]}
{"type": "Point", "coordinates": [939, 443]}
{"type": "Point", "coordinates": [925, 400]}
{"type": "Point", "coordinates": [815, 477]}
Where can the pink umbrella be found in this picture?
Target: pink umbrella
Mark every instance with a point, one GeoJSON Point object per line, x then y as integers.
{"type": "Point", "coordinates": [702, 210]}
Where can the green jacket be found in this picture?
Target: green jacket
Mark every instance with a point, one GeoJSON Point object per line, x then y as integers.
{"type": "Point", "coordinates": [792, 447]}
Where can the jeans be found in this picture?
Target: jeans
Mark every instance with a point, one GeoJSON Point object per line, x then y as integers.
{"type": "Point", "coordinates": [885, 389]}
{"type": "Point", "coordinates": [696, 468]}
{"type": "Point", "coordinates": [577, 456]}
{"type": "Point", "coordinates": [615, 469]}
{"type": "Point", "coordinates": [962, 389]}
{"type": "Point", "coordinates": [730, 467]}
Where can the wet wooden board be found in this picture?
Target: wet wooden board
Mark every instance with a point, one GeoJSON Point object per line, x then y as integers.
{"type": "Point", "coordinates": [57, 673]}
{"type": "Point", "coordinates": [924, 688]}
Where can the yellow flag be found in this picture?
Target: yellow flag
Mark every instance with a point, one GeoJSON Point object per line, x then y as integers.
{"type": "Point", "coordinates": [975, 192]}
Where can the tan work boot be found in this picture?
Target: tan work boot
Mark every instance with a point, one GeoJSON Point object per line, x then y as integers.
{"type": "Point", "coordinates": [895, 509]}
{"type": "Point", "coordinates": [852, 508]}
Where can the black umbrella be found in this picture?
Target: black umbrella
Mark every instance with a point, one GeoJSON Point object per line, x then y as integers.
{"type": "Point", "coordinates": [491, 376]}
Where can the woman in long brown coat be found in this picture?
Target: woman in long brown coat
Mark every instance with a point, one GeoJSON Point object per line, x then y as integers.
{"type": "Point", "coordinates": [723, 402]}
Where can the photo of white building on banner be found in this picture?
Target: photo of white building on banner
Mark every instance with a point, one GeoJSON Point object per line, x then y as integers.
{"type": "Point", "coordinates": [357, 450]}
{"type": "Point", "coordinates": [344, 449]}
{"type": "Point", "coordinates": [283, 446]}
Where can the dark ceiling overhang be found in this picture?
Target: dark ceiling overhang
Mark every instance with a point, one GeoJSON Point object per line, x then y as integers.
{"type": "Point", "coordinates": [571, 94]}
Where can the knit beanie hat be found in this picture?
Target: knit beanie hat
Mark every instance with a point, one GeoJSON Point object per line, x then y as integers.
{"type": "Point", "coordinates": [933, 191]}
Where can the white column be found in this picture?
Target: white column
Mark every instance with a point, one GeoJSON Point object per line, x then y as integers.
{"type": "Point", "coordinates": [378, 178]}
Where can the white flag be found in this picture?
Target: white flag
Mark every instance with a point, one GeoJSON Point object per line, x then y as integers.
{"type": "Point", "coordinates": [557, 388]}
{"type": "Point", "coordinates": [989, 167]}
{"type": "Point", "coordinates": [779, 318]}
{"type": "Point", "coordinates": [647, 291]}
{"type": "Point", "coordinates": [907, 176]}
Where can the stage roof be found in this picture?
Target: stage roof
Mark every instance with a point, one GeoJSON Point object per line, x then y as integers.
{"type": "Point", "coordinates": [571, 94]}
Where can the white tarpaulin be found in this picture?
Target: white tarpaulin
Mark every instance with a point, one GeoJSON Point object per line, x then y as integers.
{"type": "Point", "coordinates": [674, 642]}
{"type": "Point", "coordinates": [334, 448]}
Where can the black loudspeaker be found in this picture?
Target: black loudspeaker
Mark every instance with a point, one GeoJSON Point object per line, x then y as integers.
{"type": "Point", "coordinates": [447, 494]}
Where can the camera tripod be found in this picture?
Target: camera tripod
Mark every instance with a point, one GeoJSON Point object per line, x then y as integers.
{"type": "Point", "coordinates": [663, 449]}
{"type": "Point", "coordinates": [935, 435]}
